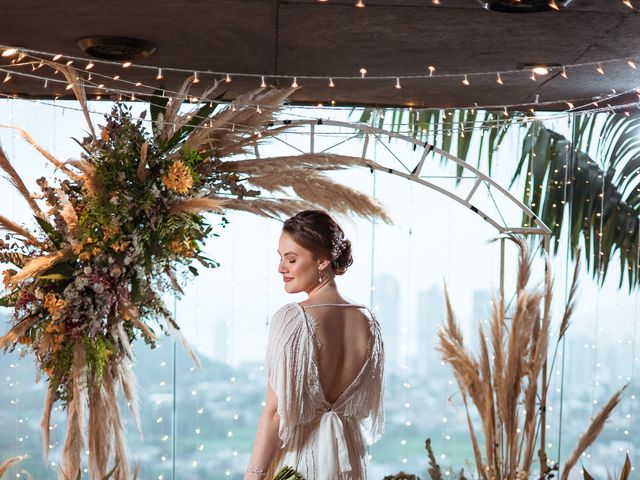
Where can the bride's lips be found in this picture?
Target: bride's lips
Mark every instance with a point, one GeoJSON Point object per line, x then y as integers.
{"type": "Point", "coordinates": [287, 279]}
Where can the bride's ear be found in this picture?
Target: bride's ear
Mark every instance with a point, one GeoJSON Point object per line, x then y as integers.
{"type": "Point", "coordinates": [323, 263]}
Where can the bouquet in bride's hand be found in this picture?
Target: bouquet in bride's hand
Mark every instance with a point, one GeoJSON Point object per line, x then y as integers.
{"type": "Point", "coordinates": [287, 473]}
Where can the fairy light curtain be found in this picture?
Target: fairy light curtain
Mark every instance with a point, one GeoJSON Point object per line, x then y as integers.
{"type": "Point", "coordinates": [203, 420]}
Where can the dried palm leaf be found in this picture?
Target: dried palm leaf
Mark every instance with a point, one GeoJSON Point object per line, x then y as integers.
{"type": "Point", "coordinates": [142, 172]}
{"type": "Point", "coordinates": [9, 225]}
{"type": "Point", "coordinates": [17, 182]}
{"type": "Point", "coordinates": [77, 85]}
{"type": "Point", "coordinates": [196, 205]}
{"type": "Point", "coordinates": [45, 153]}
{"type": "Point", "coordinates": [74, 440]}
{"type": "Point", "coordinates": [267, 207]}
{"type": "Point", "coordinates": [177, 333]}
{"type": "Point", "coordinates": [17, 331]}
{"type": "Point", "coordinates": [38, 265]}
{"type": "Point", "coordinates": [167, 126]}
{"type": "Point", "coordinates": [46, 420]}
{"type": "Point", "coordinates": [99, 428]}
{"type": "Point", "coordinates": [128, 381]}
{"type": "Point", "coordinates": [434, 469]}
{"type": "Point", "coordinates": [588, 437]}
{"type": "Point", "coordinates": [270, 165]}
{"type": "Point", "coordinates": [119, 442]}
{"type": "Point", "coordinates": [11, 462]}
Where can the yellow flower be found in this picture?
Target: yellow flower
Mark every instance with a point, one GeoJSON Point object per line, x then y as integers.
{"type": "Point", "coordinates": [178, 178]}
{"type": "Point", "coordinates": [181, 247]}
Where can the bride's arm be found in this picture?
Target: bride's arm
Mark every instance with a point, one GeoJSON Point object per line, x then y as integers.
{"type": "Point", "coordinates": [267, 440]}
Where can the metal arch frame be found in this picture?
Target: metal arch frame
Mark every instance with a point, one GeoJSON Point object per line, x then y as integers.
{"type": "Point", "coordinates": [414, 175]}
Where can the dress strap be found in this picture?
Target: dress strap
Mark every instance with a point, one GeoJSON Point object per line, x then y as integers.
{"type": "Point", "coordinates": [333, 305]}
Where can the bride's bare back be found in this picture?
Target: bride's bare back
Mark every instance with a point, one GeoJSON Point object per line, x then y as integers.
{"type": "Point", "coordinates": [343, 337]}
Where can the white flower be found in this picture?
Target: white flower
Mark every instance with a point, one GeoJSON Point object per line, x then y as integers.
{"type": "Point", "coordinates": [98, 288]}
{"type": "Point", "coordinates": [87, 270]}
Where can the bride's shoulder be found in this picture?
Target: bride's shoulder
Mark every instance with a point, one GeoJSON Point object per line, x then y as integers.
{"type": "Point", "coordinates": [287, 310]}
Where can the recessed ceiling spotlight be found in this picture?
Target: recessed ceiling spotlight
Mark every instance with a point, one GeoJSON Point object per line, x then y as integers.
{"type": "Point", "coordinates": [524, 6]}
{"type": "Point", "coordinates": [116, 48]}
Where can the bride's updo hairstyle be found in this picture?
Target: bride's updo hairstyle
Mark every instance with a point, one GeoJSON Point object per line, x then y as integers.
{"type": "Point", "coordinates": [319, 233]}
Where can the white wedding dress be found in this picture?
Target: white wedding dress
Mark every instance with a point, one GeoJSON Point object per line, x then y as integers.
{"type": "Point", "coordinates": [322, 441]}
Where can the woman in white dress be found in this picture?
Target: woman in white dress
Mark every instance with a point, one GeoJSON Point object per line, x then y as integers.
{"type": "Point", "coordinates": [324, 364]}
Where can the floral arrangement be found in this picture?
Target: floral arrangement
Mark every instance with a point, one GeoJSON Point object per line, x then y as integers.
{"type": "Point", "coordinates": [127, 225]}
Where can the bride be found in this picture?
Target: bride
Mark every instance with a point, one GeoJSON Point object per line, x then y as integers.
{"type": "Point", "coordinates": [324, 364]}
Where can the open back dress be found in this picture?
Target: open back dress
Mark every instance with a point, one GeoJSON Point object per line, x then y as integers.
{"type": "Point", "coordinates": [322, 440]}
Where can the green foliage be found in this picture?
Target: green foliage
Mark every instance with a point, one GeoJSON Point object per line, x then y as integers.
{"type": "Point", "coordinates": [565, 176]}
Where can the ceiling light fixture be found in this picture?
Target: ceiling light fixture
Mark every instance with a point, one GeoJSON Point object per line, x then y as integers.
{"type": "Point", "coordinates": [124, 49]}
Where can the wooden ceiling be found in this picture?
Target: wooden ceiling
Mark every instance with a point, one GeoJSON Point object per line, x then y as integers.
{"type": "Point", "coordinates": [334, 38]}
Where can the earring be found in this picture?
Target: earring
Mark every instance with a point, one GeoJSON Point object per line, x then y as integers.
{"type": "Point", "coordinates": [319, 276]}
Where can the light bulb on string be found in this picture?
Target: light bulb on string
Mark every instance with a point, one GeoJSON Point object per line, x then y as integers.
{"type": "Point", "coordinates": [262, 82]}
{"type": "Point", "coordinates": [552, 4]}
{"type": "Point", "coordinates": [435, 2]}
{"type": "Point", "coordinates": [466, 80]}
{"type": "Point", "coordinates": [138, 84]}
{"type": "Point", "coordinates": [331, 84]}
{"type": "Point", "coordinates": [89, 66]}
{"type": "Point", "coordinates": [570, 105]}
{"type": "Point", "coordinates": [7, 78]}
{"type": "Point", "coordinates": [116, 77]}
{"type": "Point", "coordinates": [533, 76]}
{"type": "Point", "coordinates": [227, 79]}
{"type": "Point", "coordinates": [505, 113]}
{"type": "Point", "coordinates": [363, 72]}
{"type": "Point", "coordinates": [398, 86]}
{"type": "Point", "coordinates": [195, 77]}
{"type": "Point", "coordinates": [499, 80]}
{"type": "Point", "coordinates": [159, 75]}
{"type": "Point", "coordinates": [46, 82]}
{"type": "Point", "coordinates": [600, 70]}
{"type": "Point", "coordinates": [632, 64]}
{"type": "Point", "coordinates": [57, 57]}
{"type": "Point", "coordinates": [126, 64]}
{"type": "Point", "coordinates": [69, 63]}
{"type": "Point", "coordinates": [431, 70]}
{"type": "Point", "coordinates": [564, 73]}
{"type": "Point", "coordinates": [294, 84]}
{"type": "Point", "coordinates": [360, 4]}
{"type": "Point", "coordinates": [9, 52]}
{"type": "Point", "coordinates": [628, 3]}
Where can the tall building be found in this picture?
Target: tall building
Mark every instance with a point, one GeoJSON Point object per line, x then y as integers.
{"type": "Point", "coordinates": [430, 315]}
{"type": "Point", "coordinates": [386, 304]}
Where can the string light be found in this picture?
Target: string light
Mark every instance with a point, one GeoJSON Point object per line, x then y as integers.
{"type": "Point", "coordinates": [398, 83]}
{"type": "Point", "coordinates": [126, 64]}
{"type": "Point", "coordinates": [553, 5]}
{"type": "Point", "coordinates": [360, 4]}
{"type": "Point", "coordinates": [628, 3]}
{"type": "Point", "coordinates": [499, 80]}
{"type": "Point", "coordinates": [159, 75]}
{"type": "Point", "coordinates": [294, 84]}
{"type": "Point", "coordinates": [466, 80]}
{"type": "Point", "coordinates": [632, 64]}
{"type": "Point", "coordinates": [227, 79]}
{"type": "Point", "coordinates": [57, 57]}
{"type": "Point", "coordinates": [564, 73]}
{"type": "Point", "coordinates": [533, 75]}
{"type": "Point", "coordinates": [9, 52]}
{"type": "Point", "coordinates": [331, 84]}
{"type": "Point", "coordinates": [431, 70]}
{"type": "Point", "coordinates": [600, 70]}
{"type": "Point", "coordinates": [89, 66]}
{"type": "Point", "coordinates": [195, 78]}
{"type": "Point", "coordinates": [262, 82]}
{"type": "Point", "coordinates": [363, 72]}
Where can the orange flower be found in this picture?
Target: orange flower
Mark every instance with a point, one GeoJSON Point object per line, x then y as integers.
{"type": "Point", "coordinates": [8, 274]}
{"type": "Point", "coordinates": [54, 306]}
{"type": "Point", "coordinates": [178, 178]}
{"type": "Point", "coordinates": [104, 134]}
{"type": "Point", "coordinates": [25, 340]}
{"type": "Point", "coordinates": [181, 247]}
